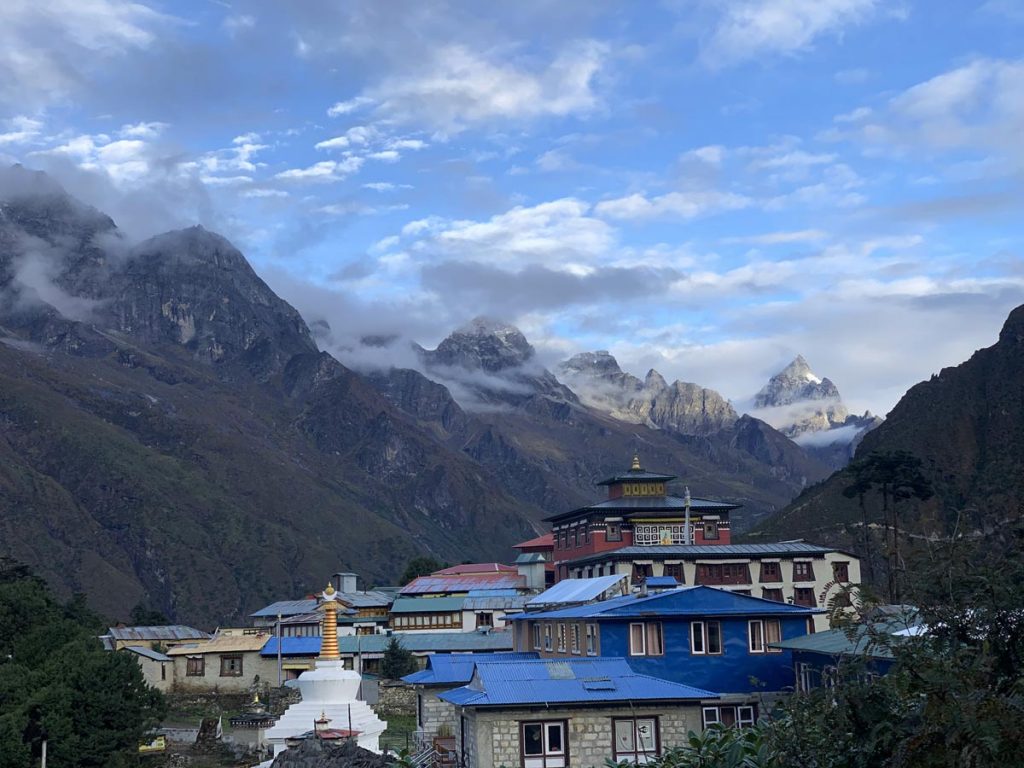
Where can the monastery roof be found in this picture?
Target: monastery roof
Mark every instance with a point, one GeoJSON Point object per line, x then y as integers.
{"type": "Point", "coordinates": [424, 585]}
{"type": "Point", "coordinates": [546, 541]}
{"type": "Point", "coordinates": [657, 506]}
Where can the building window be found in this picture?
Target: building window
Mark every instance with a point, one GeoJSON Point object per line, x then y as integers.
{"type": "Point", "coordinates": [575, 537]}
{"type": "Point", "coordinates": [613, 532]}
{"type": "Point", "coordinates": [591, 639]}
{"type": "Point", "coordinates": [804, 677]}
{"type": "Point", "coordinates": [543, 744]}
{"type": "Point", "coordinates": [485, 619]}
{"type": "Point", "coordinates": [772, 594]}
{"type": "Point", "coordinates": [761, 632]}
{"type": "Point", "coordinates": [742, 716]}
{"type": "Point", "coordinates": [804, 596]}
{"type": "Point", "coordinates": [810, 625]}
{"type": "Point", "coordinates": [723, 573]}
{"type": "Point", "coordinates": [646, 639]}
{"type": "Point", "coordinates": [536, 637]}
{"type": "Point", "coordinates": [642, 572]}
{"type": "Point", "coordinates": [841, 572]}
{"type": "Point", "coordinates": [163, 671]}
{"type": "Point", "coordinates": [635, 739]}
{"type": "Point", "coordinates": [561, 638]}
{"type": "Point", "coordinates": [705, 637]}
{"type": "Point", "coordinates": [771, 572]}
{"type": "Point", "coordinates": [675, 570]}
{"type": "Point", "coordinates": [547, 637]}
{"type": "Point", "coordinates": [230, 666]}
{"type": "Point", "coordinates": [195, 666]}
{"type": "Point", "coordinates": [803, 571]}
{"type": "Point", "coordinates": [711, 530]}
{"type": "Point", "coordinates": [574, 638]}
{"type": "Point", "coordinates": [662, 534]}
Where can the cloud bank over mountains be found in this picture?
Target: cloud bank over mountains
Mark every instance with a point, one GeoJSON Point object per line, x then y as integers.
{"type": "Point", "coordinates": [705, 189]}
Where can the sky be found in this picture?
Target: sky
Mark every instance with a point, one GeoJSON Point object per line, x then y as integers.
{"type": "Point", "coordinates": [707, 187]}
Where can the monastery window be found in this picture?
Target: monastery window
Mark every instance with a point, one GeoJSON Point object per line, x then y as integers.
{"type": "Point", "coordinates": [661, 534]}
{"type": "Point", "coordinates": [195, 666]}
{"type": "Point", "coordinates": [646, 639]}
{"type": "Point", "coordinates": [771, 572]}
{"type": "Point", "coordinates": [841, 571]}
{"type": "Point", "coordinates": [613, 532]}
{"type": "Point", "coordinates": [575, 537]}
{"type": "Point", "coordinates": [635, 739]}
{"type": "Point", "coordinates": [711, 530]}
{"type": "Point", "coordinates": [803, 571]}
{"type": "Point", "coordinates": [773, 594]}
{"type": "Point", "coordinates": [723, 573]}
{"type": "Point", "coordinates": [804, 596]}
{"type": "Point", "coordinates": [675, 570]}
{"type": "Point", "coordinates": [705, 638]}
{"type": "Point", "coordinates": [591, 639]}
{"type": "Point", "coordinates": [642, 571]}
{"type": "Point", "coordinates": [543, 744]}
{"type": "Point", "coordinates": [231, 666]}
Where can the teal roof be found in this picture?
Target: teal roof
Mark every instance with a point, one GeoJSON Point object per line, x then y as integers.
{"type": "Point", "coordinates": [851, 641]}
{"type": "Point", "coordinates": [417, 642]}
{"type": "Point", "coordinates": [428, 604]}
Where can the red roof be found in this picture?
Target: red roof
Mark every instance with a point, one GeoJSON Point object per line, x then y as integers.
{"type": "Point", "coordinates": [458, 570]}
{"type": "Point", "coordinates": [547, 541]}
{"type": "Point", "coordinates": [463, 583]}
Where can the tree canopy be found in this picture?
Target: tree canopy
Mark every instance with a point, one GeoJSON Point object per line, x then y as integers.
{"type": "Point", "coordinates": [423, 565]}
{"type": "Point", "coordinates": [398, 660]}
{"type": "Point", "coordinates": [93, 706]}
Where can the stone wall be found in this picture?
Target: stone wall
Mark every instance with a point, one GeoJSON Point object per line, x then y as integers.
{"type": "Point", "coordinates": [396, 698]}
{"type": "Point", "coordinates": [492, 738]}
{"type": "Point", "coordinates": [434, 713]}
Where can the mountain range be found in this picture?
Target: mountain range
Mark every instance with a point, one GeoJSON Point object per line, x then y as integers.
{"type": "Point", "coordinates": [171, 434]}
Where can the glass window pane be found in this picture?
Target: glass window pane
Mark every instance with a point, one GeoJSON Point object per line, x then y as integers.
{"type": "Point", "coordinates": [532, 739]}
{"type": "Point", "coordinates": [555, 738]}
{"type": "Point", "coordinates": [624, 736]}
{"type": "Point", "coordinates": [756, 641]}
{"type": "Point", "coordinates": [654, 644]}
{"type": "Point", "coordinates": [773, 631]}
{"type": "Point", "coordinates": [697, 636]}
{"type": "Point", "coordinates": [714, 637]}
{"type": "Point", "coordinates": [636, 639]}
{"type": "Point", "coordinates": [646, 735]}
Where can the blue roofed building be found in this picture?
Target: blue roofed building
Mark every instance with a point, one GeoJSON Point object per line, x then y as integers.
{"type": "Point", "coordinates": [700, 636]}
{"type": "Point", "coordinates": [555, 713]}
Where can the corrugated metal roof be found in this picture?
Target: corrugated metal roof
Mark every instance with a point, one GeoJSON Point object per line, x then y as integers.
{"type": "Point", "coordinates": [710, 551]}
{"type": "Point", "coordinates": [427, 604]}
{"type": "Point", "coordinates": [149, 653]}
{"type": "Point", "coordinates": [655, 505]}
{"type": "Point", "coordinates": [459, 570]}
{"type": "Point", "coordinates": [546, 541]}
{"type": "Point", "coordinates": [634, 475]}
{"type": "Point", "coordinates": [684, 601]}
{"type": "Point", "coordinates": [457, 668]}
{"type": "Point", "coordinates": [661, 581]}
{"type": "Point", "coordinates": [576, 591]}
{"type": "Point", "coordinates": [506, 603]}
{"type": "Point", "coordinates": [363, 599]}
{"type": "Point", "coordinates": [417, 642]}
{"type": "Point", "coordinates": [568, 681]}
{"type": "Point", "coordinates": [286, 608]}
{"type": "Point", "coordinates": [222, 644]}
{"type": "Point", "coordinates": [168, 632]}
{"type": "Point", "coordinates": [838, 642]}
{"type": "Point", "coordinates": [463, 583]}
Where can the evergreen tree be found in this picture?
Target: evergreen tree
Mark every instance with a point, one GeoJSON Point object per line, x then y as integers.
{"type": "Point", "coordinates": [398, 661]}
{"type": "Point", "coordinates": [423, 565]}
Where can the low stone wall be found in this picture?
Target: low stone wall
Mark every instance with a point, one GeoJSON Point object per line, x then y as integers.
{"type": "Point", "coordinates": [396, 698]}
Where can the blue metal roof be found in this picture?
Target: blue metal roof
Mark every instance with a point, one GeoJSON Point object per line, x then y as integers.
{"type": "Point", "coordinates": [286, 608]}
{"type": "Point", "coordinates": [573, 591]}
{"type": "Point", "coordinates": [566, 681]}
{"type": "Point", "coordinates": [457, 668]}
{"type": "Point", "coordinates": [427, 604]}
{"type": "Point", "coordinates": [149, 653]}
{"type": "Point", "coordinates": [417, 642]}
{"type": "Point", "coordinates": [684, 601]}
{"type": "Point", "coordinates": [661, 581]}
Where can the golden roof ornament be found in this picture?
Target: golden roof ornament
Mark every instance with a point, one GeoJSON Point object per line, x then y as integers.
{"type": "Point", "coordinates": [329, 592]}
{"type": "Point", "coordinates": [636, 464]}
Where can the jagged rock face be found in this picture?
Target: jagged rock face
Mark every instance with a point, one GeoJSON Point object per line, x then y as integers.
{"type": "Point", "coordinates": [488, 363]}
{"type": "Point", "coordinates": [801, 401]}
{"type": "Point", "coordinates": [681, 407]}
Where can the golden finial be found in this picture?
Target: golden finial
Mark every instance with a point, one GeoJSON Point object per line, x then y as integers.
{"type": "Point", "coordinates": [636, 464]}
{"type": "Point", "coordinates": [330, 589]}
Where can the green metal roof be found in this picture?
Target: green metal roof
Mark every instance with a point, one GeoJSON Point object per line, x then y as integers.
{"type": "Point", "coordinates": [428, 604]}
{"type": "Point", "coordinates": [853, 641]}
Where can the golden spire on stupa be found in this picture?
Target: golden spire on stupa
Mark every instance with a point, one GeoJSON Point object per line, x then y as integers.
{"type": "Point", "coordinates": [329, 635]}
{"type": "Point", "coordinates": [636, 463]}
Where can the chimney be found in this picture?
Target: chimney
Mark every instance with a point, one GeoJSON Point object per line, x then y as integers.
{"type": "Point", "coordinates": [345, 582]}
{"type": "Point", "coordinates": [532, 567]}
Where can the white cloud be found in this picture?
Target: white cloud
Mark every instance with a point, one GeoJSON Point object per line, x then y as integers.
{"type": "Point", "coordinates": [386, 155]}
{"type": "Point", "coordinates": [346, 107]}
{"type": "Point", "coordinates": [20, 130]}
{"type": "Point", "coordinates": [780, 238]}
{"type": "Point", "coordinates": [750, 28]}
{"type": "Point", "coordinates": [47, 48]}
{"type": "Point", "coordinates": [325, 171]}
{"type": "Point", "coordinates": [461, 86]}
{"type": "Point", "coordinates": [385, 186]}
{"type": "Point", "coordinates": [686, 205]}
{"type": "Point", "coordinates": [236, 23]}
{"type": "Point", "coordinates": [142, 130]}
{"type": "Point", "coordinates": [264, 193]}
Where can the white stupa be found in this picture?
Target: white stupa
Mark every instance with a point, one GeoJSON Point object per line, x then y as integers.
{"type": "Point", "coordinates": [328, 692]}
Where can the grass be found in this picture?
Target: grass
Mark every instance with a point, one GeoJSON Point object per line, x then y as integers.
{"type": "Point", "coordinates": [398, 736]}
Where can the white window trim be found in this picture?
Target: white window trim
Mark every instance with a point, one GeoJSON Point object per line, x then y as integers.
{"type": "Point", "coordinates": [702, 633]}
{"type": "Point", "coordinates": [643, 639]}
{"type": "Point", "coordinates": [759, 625]}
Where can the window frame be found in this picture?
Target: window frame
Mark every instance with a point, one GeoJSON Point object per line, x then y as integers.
{"type": "Point", "coordinates": [537, 637]}
{"type": "Point", "coordinates": [549, 643]}
{"type": "Point", "coordinates": [561, 636]}
{"type": "Point", "coordinates": [636, 756]}
{"type": "Point", "coordinates": [803, 571]}
{"type": "Point", "coordinates": [592, 639]}
{"type": "Point", "coordinates": [705, 638]}
{"type": "Point", "coordinates": [711, 525]}
{"type": "Point", "coordinates": [193, 663]}
{"type": "Point", "coordinates": [231, 657]}
{"type": "Point", "coordinates": [755, 636]}
{"type": "Point", "coordinates": [609, 527]}
{"type": "Point", "coordinates": [546, 758]}
{"type": "Point", "coordinates": [842, 566]}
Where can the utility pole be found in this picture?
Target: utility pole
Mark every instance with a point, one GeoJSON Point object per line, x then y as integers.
{"type": "Point", "coordinates": [43, 763]}
{"type": "Point", "coordinates": [280, 682]}
{"type": "Point", "coordinates": [687, 534]}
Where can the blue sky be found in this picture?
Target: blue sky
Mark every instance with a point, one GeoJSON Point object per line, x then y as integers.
{"type": "Point", "coordinates": [705, 187]}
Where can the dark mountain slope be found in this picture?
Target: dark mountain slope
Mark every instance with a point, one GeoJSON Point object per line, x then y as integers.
{"type": "Point", "coordinates": [967, 426]}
